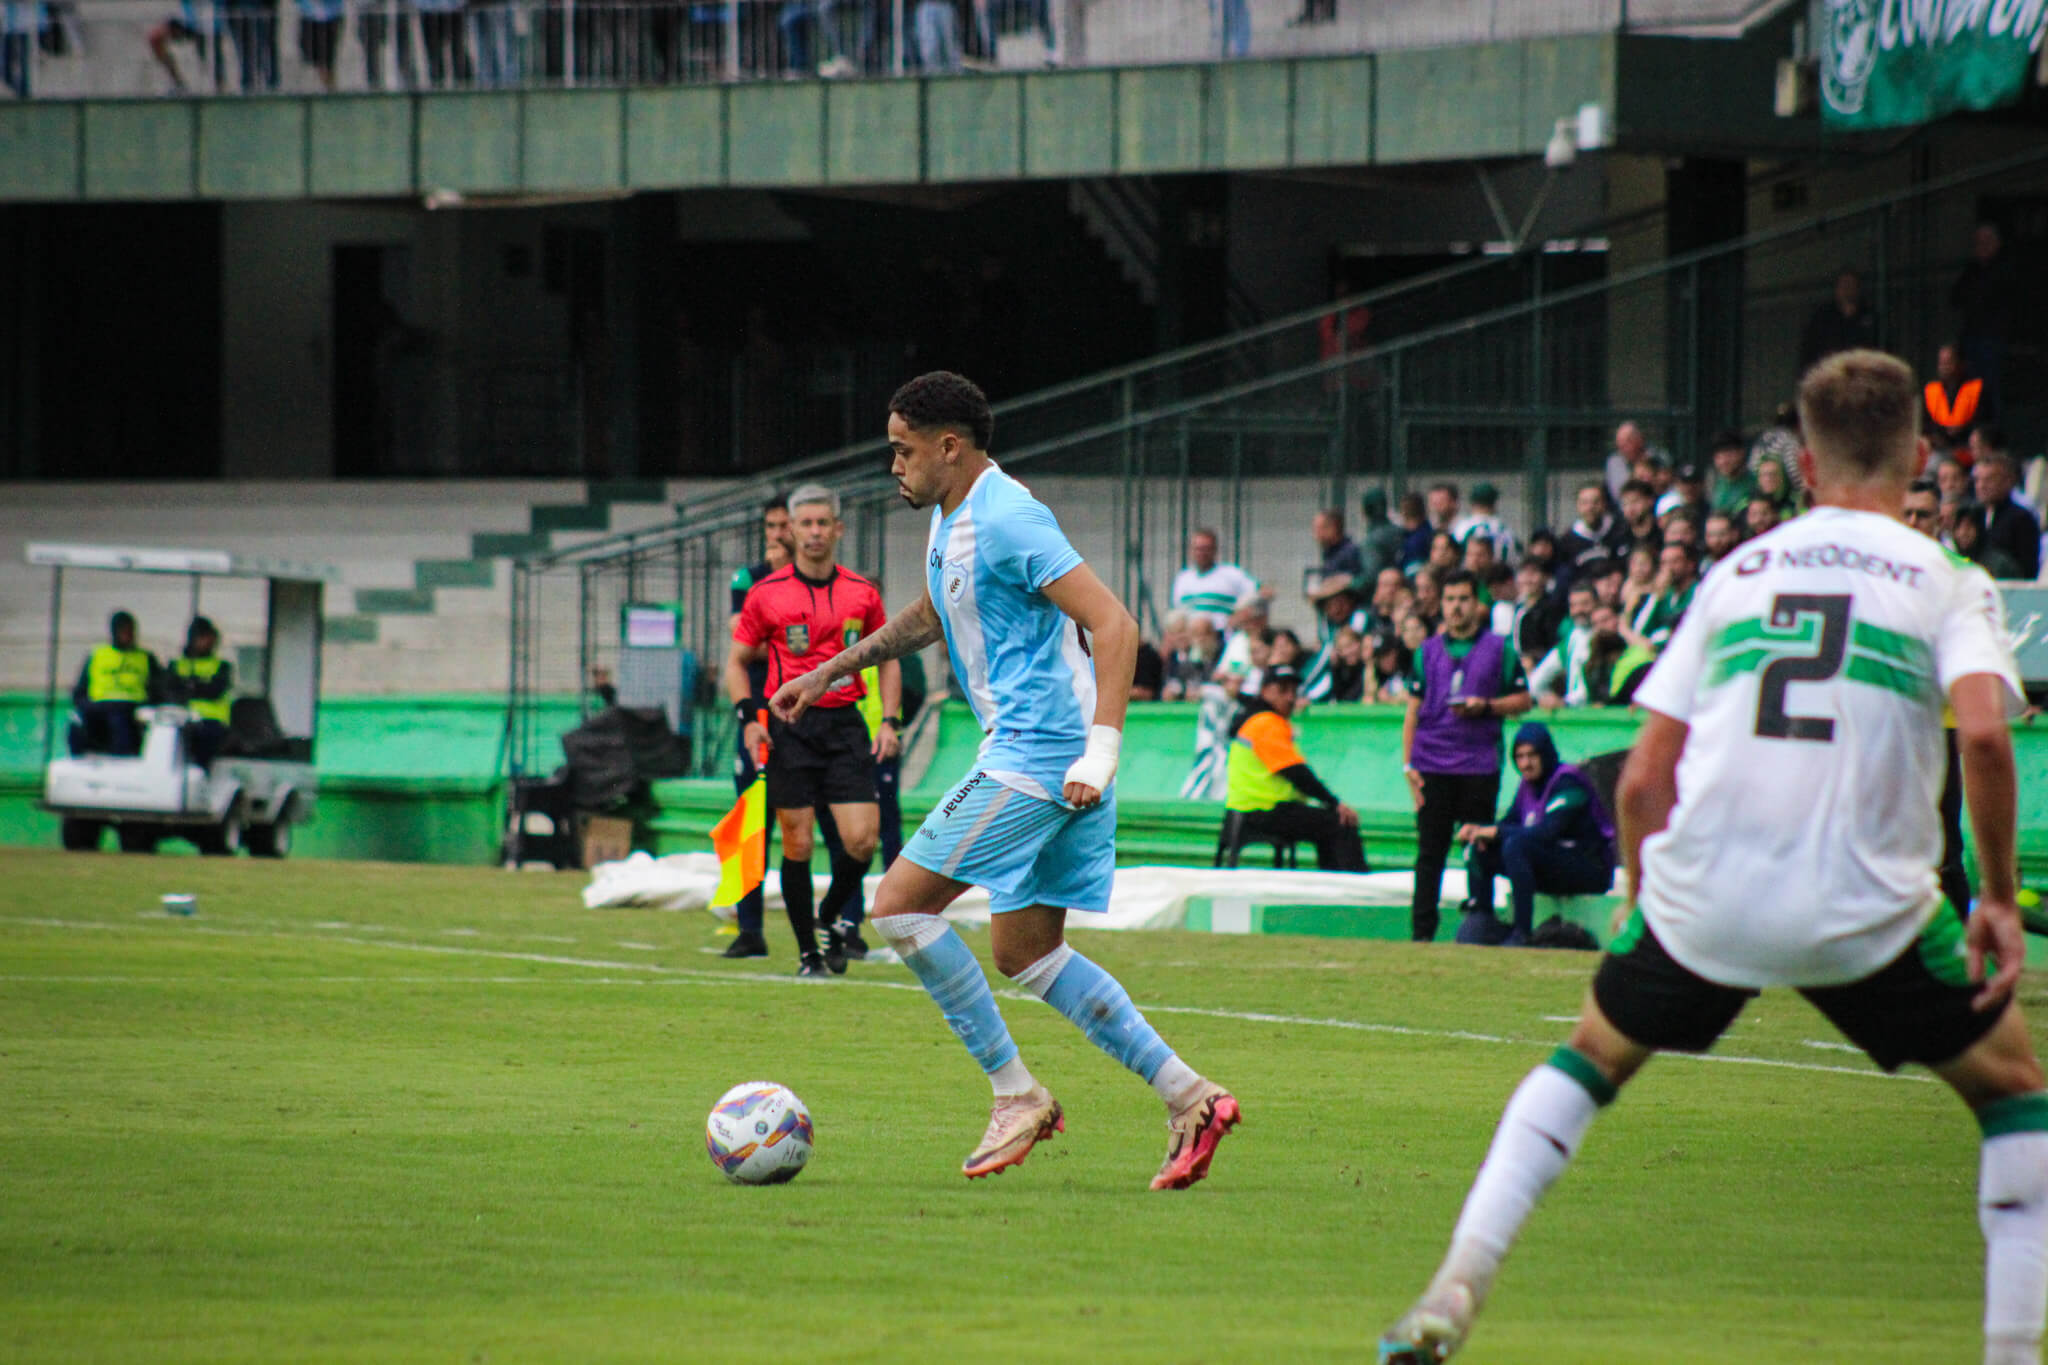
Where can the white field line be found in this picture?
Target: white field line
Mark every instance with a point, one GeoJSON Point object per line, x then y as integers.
{"type": "Point", "coordinates": [696, 976]}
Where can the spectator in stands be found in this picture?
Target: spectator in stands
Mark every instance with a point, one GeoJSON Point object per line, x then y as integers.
{"type": "Point", "coordinates": [1340, 557]}
{"type": "Point", "coordinates": [1678, 580]}
{"type": "Point", "coordinates": [1559, 679]}
{"type": "Point", "coordinates": [1760, 516]}
{"type": "Point", "coordinates": [1537, 613]}
{"type": "Point", "coordinates": [1416, 532]}
{"type": "Point", "coordinates": [1594, 537]}
{"type": "Point", "coordinates": [1485, 519]}
{"type": "Point", "coordinates": [1498, 584]}
{"type": "Point", "coordinates": [1205, 586]}
{"type": "Point", "coordinates": [1555, 839]}
{"type": "Point", "coordinates": [1781, 441]}
{"type": "Point", "coordinates": [499, 61]}
{"type": "Point", "coordinates": [1148, 674]}
{"type": "Point", "coordinates": [445, 38]}
{"type": "Point", "coordinates": [1641, 580]}
{"type": "Point", "coordinates": [1480, 558]}
{"type": "Point", "coordinates": [181, 27]}
{"type": "Point", "coordinates": [1382, 538]}
{"type": "Point", "coordinates": [1244, 646]}
{"type": "Point", "coordinates": [1733, 483]}
{"type": "Point", "coordinates": [1445, 554]}
{"type": "Point", "coordinates": [1654, 470]}
{"type": "Point", "coordinates": [22, 25]}
{"type": "Point", "coordinates": [1952, 478]}
{"type": "Point", "coordinates": [1542, 549]}
{"type": "Point", "coordinates": [1630, 445]}
{"type": "Point", "coordinates": [1464, 682]}
{"type": "Point", "coordinates": [1192, 650]}
{"type": "Point", "coordinates": [1233, 26]}
{"type": "Point", "coordinates": [373, 23]}
{"type": "Point", "coordinates": [1772, 483]}
{"type": "Point", "coordinates": [1608, 576]}
{"type": "Point", "coordinates": [1680, 530]}
{"type": "Point", "coordinates": [202, 682]}
{"type": "Point", "coordinates": [936, 35]}
{"type": "Point", "coordinates": [118, 678]}
{"type": "Point", "coordinates": [1388, 591]}
{"type": "Point", "coordinates": [1690, 487]}
{"type": "Point", "coordinates": [1428, 604]}
{"type": "Point", "coordinates": [2008, 527]}
{"type": "Point", "coordinates": [1950, 400]}
{"type": "Point", "coordinates": [1350, 670]}
{"type": "Point", "coordinates": [320, 37]}
{"type": "Point", "coordinates": [1442, 501]}
{"type": "Point", "coordinates": [1392, 662]}
{"type": "Point", "coordinates": [1271, 785]}
{"type": "Point", "coordinates": [1615, 665]}
{"type": "Point", "coordinates": [253, 26]}
{"type": "Point", "coordinates": [1638, 518]}
{"type": "Point", "coordinates": [1721, 538]}
{"type": "Point", "coordinates": [1969, 542]}
{"type": "Point", "coordinates": [1986, 292]}
{"type": "Point", "coordinates": [1841, 324]}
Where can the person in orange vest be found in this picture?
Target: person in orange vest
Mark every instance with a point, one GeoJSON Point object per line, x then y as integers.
{"type": "Point", "coordinates": [1950, 399]}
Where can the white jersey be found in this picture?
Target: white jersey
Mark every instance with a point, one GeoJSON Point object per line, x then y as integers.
{"type": "Point", "coordinates": [1812, 670]}
{"type": "Point", "coordinates": [1214, 594]}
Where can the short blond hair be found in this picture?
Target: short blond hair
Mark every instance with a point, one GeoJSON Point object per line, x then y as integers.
{"type": "Point", "coordinates": [1859, 412]}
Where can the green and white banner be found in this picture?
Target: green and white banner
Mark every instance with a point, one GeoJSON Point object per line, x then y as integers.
{"type": "Point", "coordinates": [1889, 63]}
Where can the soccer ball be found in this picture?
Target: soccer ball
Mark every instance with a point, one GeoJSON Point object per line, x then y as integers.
{"type": "Point", "coordinates": [759, 1133]}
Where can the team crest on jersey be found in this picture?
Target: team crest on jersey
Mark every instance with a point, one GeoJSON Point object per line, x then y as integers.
{"type": "Point", "coordinates": [798, 638]}
{"type": "Point", "coordinates": [956, 582]}
{"type": "Point", "coordinates": [849, 632]}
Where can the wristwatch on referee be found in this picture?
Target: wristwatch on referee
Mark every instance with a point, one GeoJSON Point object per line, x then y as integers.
{"type": "Point", "coordinates": [895, 722]}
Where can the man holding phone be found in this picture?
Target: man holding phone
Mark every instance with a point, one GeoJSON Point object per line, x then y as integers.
{"type": "Point", "coordinates": [1465, 682]}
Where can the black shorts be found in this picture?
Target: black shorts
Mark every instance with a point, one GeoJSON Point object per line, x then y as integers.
{"type": "Point", "coordinates": [826, 758]}
{"type": "Point", "coordinates": [1915, 1009]}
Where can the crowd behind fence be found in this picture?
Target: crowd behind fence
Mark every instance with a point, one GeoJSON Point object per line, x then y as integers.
{"type": "Point", "coordinates": [67, 49]}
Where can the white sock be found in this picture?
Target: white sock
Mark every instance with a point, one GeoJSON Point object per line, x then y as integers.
{"type": "Point", "coordinates": [1011, 1079]}
{"type": "Point", "coordinates": [1176, 1083]}
{"type": "Point", "coordinates": [1039, 976]}
{"type": "Point", "coordinates": [910, 933]}
{"type": "Point", "coordinates": [1538, 1134]}
{"type": "Point", "coordinates": [2012, 1210]}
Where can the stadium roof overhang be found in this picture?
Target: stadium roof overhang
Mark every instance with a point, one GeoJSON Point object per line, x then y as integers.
{"type": "Point", "coordinates": [205, 563]}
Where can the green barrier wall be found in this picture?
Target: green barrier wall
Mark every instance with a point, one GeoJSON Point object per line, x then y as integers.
{"type": "Point", "coordinates": [1356, 749]}
{"type": "Point", "coordinates": [402, 779]}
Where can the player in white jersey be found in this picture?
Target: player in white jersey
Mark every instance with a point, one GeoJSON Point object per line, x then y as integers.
{"type": "Point", "coordinates": [1779, 827]}
{"type": "Point", "coordinates": [1044, 653]}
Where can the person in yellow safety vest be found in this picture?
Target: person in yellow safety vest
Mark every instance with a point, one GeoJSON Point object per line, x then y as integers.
{"type": "Point", "coordinates": [204, 682]}
{"type": "Point", "coordinates": [117, 678]}
{"type": "Point", "coordinates": [1271, 784]}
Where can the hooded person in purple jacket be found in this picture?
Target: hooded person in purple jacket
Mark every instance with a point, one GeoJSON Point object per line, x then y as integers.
{"type": "Point", "coordinates": [1555, 838]}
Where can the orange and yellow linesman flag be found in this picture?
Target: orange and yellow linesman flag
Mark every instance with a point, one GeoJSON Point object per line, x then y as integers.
{"type": "Point", "coordinates": [741, 842]}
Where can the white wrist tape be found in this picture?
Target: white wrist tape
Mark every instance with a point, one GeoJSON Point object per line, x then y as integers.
{"type": "Point", "coordinates": [1096, 767]}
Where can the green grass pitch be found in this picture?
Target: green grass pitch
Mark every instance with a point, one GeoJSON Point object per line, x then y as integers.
{"type": "Point", "coordinates": [373, 1113]}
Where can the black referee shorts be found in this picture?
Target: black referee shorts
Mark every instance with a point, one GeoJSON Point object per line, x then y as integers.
{"type": "Point", "coordinates": [826, 758]}
{"type": "Point", "coordinates": [1916, 1008]}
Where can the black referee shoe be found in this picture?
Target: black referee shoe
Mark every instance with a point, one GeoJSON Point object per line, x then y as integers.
{"type": "Point", "coordinates": [835, 952]}
{"type": "Point", "coordinates": [813, 966]}
{"type": "Point", "coordinates": [747, 945]}
{"type": "Point", "coordinates": [851, 943]}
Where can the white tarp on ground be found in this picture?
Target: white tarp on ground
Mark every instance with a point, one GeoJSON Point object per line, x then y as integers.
{"type": "Point", "coordinates": [1145, 897]}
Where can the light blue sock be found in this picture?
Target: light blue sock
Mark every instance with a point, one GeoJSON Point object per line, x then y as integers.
{"type": "Point", "coordinates": [941, 960]}
{"type": "Point", "coordinates": [1102, 1009]}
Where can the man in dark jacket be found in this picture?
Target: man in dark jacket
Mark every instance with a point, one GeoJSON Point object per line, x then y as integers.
{"type": "Point", "coordinates": [1841, 324]}
{"type": "Point", "coordinates": [1554, 839]}
{"type": "Point", "coordinates": [2008, 527]}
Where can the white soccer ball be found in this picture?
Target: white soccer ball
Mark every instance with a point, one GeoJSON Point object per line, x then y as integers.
{"type": "Point", "coordinates": [759, 1133]}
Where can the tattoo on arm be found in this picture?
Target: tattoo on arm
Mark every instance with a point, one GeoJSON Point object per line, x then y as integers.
{"type": "Point", "coordinates": [905, 633]}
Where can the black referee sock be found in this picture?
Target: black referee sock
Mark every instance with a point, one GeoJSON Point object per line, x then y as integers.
{"type": "Point", "coordinates": [797, 897]}
{"type": "Point", "coordinates": [845, 890]}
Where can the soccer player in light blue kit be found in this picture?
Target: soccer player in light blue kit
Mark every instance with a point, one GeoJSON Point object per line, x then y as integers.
{"type": "Point", "coordinates": [1031, 631]}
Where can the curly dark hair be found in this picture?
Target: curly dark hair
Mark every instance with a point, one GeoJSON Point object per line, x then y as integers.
{"type": "Point", "coordinates": [943, 399]}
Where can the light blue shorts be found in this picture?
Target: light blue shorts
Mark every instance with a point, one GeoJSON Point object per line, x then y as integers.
{"type": "Point", "coordinates": [1024, 850]}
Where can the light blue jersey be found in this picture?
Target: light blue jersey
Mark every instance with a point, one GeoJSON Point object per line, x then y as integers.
{"type": "Point", "coordinates": [1020, 659]}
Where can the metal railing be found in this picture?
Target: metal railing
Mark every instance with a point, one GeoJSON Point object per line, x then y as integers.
{"type": "Point", "coordinates": [1250, 434]}
{"type": "Point", "coordinates": [115, 48]}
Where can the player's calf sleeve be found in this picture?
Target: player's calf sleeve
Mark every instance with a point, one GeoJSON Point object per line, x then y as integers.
{"type": "Point", "coordinates": [1102, 1009]}
{"type": "Point", "coordinates": [1539, 1133]}
{"type": "Point", "coordinates": [844, 892]}
{"type": "Point", "coordinates": [797, 892]}
{"type": "Point", "coordinates": [942, 961]}
{"type": "Point", "coordinates": [2012, 1210]}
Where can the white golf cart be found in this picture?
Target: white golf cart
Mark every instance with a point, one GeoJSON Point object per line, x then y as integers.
{"type": "Point", "coordinates": [259, 784]}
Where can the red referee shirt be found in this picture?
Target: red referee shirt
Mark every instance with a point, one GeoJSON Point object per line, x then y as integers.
{"type": "Point", "coordinates": [805, 621]}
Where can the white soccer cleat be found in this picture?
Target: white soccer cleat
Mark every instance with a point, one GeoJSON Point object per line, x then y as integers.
{"type": "Point", "coordinates": [1016, 1124]}
{"type": "Point", "coordinates": [1433, 1330]}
